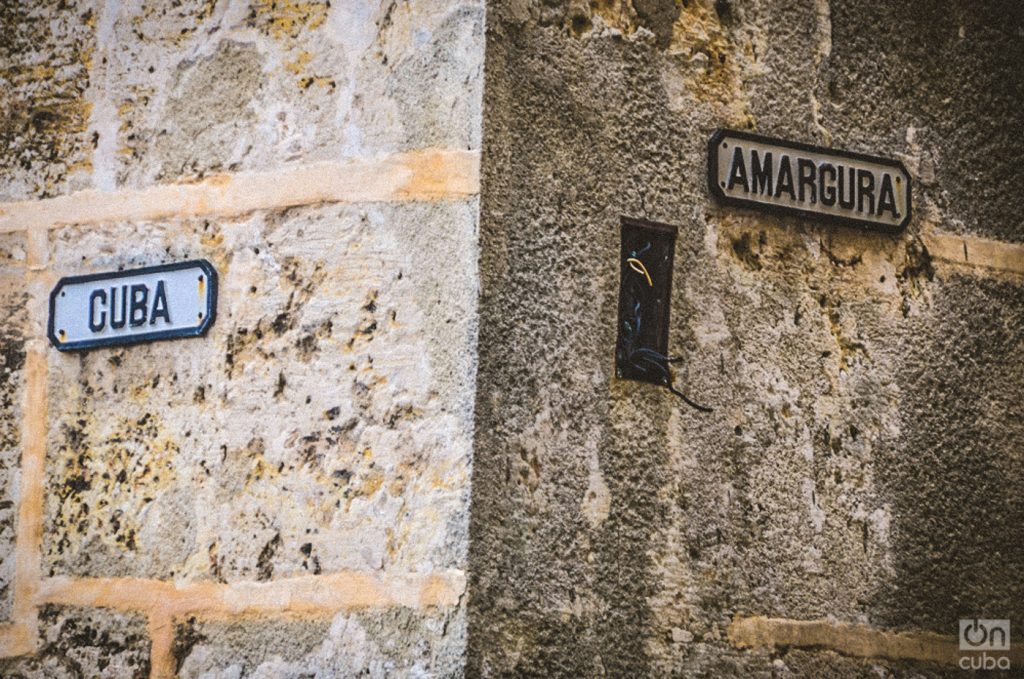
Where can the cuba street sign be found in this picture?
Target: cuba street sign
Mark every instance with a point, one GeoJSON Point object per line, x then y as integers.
{"type": "Point", "coordinates": [748, 170]}
{"type": "Point", "coordinates": [126, 307]}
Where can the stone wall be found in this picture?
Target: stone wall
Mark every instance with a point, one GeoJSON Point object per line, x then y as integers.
{"type": "Point", "coordinates": [288, 495]}
{"type": "Point", "coordinates": [417, 317]}
{"type": "Point", "coordinates": [858, 487]}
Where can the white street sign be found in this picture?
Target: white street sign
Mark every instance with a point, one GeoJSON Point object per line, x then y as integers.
{"type": "Point", "coordinates": [125, 307]}
{"type": "Point", "coordinates": [748, 170]}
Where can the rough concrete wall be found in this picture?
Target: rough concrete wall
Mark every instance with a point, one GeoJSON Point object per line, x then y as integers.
{"type": "Point", "coordinates": [289, 494]}
{"type": "Point", "coordinates": [860, 476]}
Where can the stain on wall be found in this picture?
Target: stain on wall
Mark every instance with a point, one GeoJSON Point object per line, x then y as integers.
{"type": "Point", "coordinates": [209, 110]}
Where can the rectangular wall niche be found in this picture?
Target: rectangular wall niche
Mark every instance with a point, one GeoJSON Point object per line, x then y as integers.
{"type": "Point", "coordinates": [645, 287]}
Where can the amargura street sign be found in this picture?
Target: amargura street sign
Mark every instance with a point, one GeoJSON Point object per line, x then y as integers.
{"type": "Point", "coordinates": [748, 170]}
{"type": "Point", "coordinates": [126, 307]}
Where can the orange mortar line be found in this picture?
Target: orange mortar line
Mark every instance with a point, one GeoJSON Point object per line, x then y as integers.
{"type": "Point", "coordinates": [967, 254]}
{"type": "Point", "coordinates": [309, 595]}
{"type": "Point", "coordinates": [22, 635]}
{"type": "Point", "coordinates": [161, 653]}
{"type": "Point", "coordinates": [313, 595]}
{"type": "Point", "coordinates": [17, 639]}
{"type": "Point", "coordinates": [849, 639]}
{"type": "Point", "coordinates": [37, 249]}
{"type": "Point", "coordinates": [973, 252]}
{"type": "Point", "coordinates": [423, 175]}
{"type": "Point", "coordinates": [28, 541]}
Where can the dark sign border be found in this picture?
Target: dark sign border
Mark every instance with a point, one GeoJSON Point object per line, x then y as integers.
{"type": "Point", "coordinates": [196, 331]}
{"type": "Point", "coordinates": [733, 201]}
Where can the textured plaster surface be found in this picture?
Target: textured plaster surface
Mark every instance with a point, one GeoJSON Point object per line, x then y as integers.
{"type": "Point", "coordinates": [80, 643]}
{"type": "Point", "coordinates": [396, 643]}
{"type": "Point", "coordinates": [864, 405]}
{"type": "Point", "coordinates": [950, 96]}
{"type": "Point", "coordinates": [955, 478]}
{"type": "Point", "coordinates": [323, 424]}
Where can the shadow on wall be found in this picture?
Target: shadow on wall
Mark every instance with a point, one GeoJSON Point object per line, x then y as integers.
{"type": "Point", "coordinates": [956, 479]}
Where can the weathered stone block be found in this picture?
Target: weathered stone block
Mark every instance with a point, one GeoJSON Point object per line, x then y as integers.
{"type": "Point", "coordinates": [323, 423]}
{"type": "Point", "coordinates": [392, 643]}
{"type": "Point", "coordinates": [85, 643]}
{"type": "Point", "coordinates": [13, 308]}
{"type": "Point", "coordinates": [199, 90]}
{"type": "Point", "coordinates": [44, 73]}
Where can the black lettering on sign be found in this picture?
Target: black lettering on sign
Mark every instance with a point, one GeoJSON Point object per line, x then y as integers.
{"type": "Point", "coordinates": [846, 202]}
{"type": "Point", "coordinates": [140, 295]}
{"type": "Point", "coordinates": [806, 175]}
{"type": "Point", "coordinates": [827, 190]}
{"type": "Point", "coordinates": [739, 171]}
{"type": "Point", "coordinates": [886, 198]}
{"type": "Point", "coordinates": [761, 174]}
{"type": "Point", "coordinates": [135, 299]}
{"type": "Point", "coordinates": [114, 322]}
{"type": "Point", "coordinates": [94, 324]}
{"type": "Point", "coordinates": [749, 170]}
{"type": "Point", "coordinates": [785, 179]}
{"type": "Point", "coordinates": [865, 190]}
{"type": "Point", "coordinates": [160, 305]}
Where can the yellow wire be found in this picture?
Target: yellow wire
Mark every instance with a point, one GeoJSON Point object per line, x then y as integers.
{"type": "Point", "coordinates": [638, 266]}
